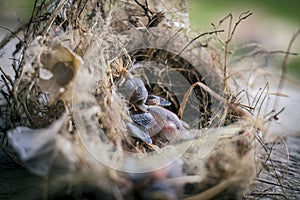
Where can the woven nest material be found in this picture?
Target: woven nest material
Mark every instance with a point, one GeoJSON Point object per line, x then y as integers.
{"type": "Point", "coordinates": [67, 119]}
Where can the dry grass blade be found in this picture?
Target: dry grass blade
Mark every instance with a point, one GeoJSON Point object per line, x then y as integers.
{"type": "Point", "coordinates": [201, 35]}
{"type": "Point", "coordinates": [284, 66]}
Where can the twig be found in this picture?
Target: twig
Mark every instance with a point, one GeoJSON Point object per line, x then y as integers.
{"type": "Point", "coordinates": [276, 114]}
{"type": "Point", "coordinates": [32, 14]}
{"type": "Point", "coordinates": [206, 33]}
{"type": "Point", "coordinates": [6, 76]}
{"type": "Point", "coordinates": [266, 52]}
{"type": "Point", "coordinates": [229, 38]}
{"type": "Point", "coordinates": [261, 142]}
{"type": "Point", "coordinates": [288, 156]}
{"type": "Point", "coordinates": [5, 95]}
{"type": "Point", "coordinates": [284, 52]}
{"type": "Point", "coordinates": [145, 8]}
{"type": "Point", "coordinates": [81, 10]}
{"type": "Point", "coordinates": [241, 18]}
{"type": "Point", "coordinates": [53, 16]}
{"type": "Point", "coordinates": [263, 99]}
{"type": "Point", "coordinates": [173, 36]}
{"type": "Point", "coordinates": [214, 94]}
{"type": "Point", "coordinates": [12, 34]}
{"type": "Point", "coordinates": [284, 66]}
{"type": "Point", "coordinates": [276, 175]}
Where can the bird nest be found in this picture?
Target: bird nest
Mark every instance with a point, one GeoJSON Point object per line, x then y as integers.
{"type": "Point", "coordinates": [69, 121]}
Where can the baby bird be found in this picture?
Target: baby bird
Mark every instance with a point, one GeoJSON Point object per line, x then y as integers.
{"type": "Point", "coordinates": [134, 90]}
{"type": "Point", "coordinates": [138, 132]}
{"type": "Point", "coordinates": [157, 121]}
{"type": "Point", "coordinates": [161, 123]}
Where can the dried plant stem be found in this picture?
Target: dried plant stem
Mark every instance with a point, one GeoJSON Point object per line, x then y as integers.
{"type": "Point", "coordinates": [284, 66]}
{"type": "Point", "coordinates": [242, 17]}
{"type": "Point", "coordinates": [201, 35]}
{"type": "Point", "coordinates": [53, 16]}
{"type": "Point", "coordinates": [231, 31]}
{"type": "Point", "coordinates": [262, 98]}
{"type": "Point", "coordinates": [145, 8]}
{"type": "Point", "coordinates": [285, 61]}
{"type": "Point", "coordinates": [7, 77]}
{"type": "Point", "coordinates": [12, 35]}
{"type": "Point", "coordinates": [288, 157]}
{"type": "Point", "coordinates": [215, 95]}
{"type": "Point", "coordinates": [279, 182]}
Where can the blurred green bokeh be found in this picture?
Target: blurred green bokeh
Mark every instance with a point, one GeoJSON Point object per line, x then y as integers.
{"type": "Point", "coordinates": [200, 9]}
{"type": "Point", "coordinates": [203, 12]}
{"type": "Point", "coordinates": [13, 11]}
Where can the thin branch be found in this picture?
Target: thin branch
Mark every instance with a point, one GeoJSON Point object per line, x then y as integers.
{"type": "Point", "coordinates": [7, 77]}
{"type": "Point", "coordinates": [173, 36]}
{"type": "Point", "coordinates": [145, 8]}
{"type": "Point", "coordinates": [288, 157]}
{"type": "Point", "coordinates": [206, 33]}
{"type": "Point", "coordinates": [12, 34]}
{"type": "Point", "coordinates": [230, 36]}
{"type": "Point", "coordinates": [276, 114]}
{"type": "Point", "coordinates": [241, 18]}
{"type": "Point", "coordinates": [284, 52]}
{"type": "Point", "coordinates": [220, 22]}
{"type": "Point", "coordinates": [53, 16]}
{"type": "Point", "coordinates": [5, 95]}
{"type": "Point", "coordinates": [263, 99]}
{"type": "Point", "coordinates": [284, 66]}
{"type": "Point", "coordinates": [82, 8]}
{"type": "Point", "coordinates": [275, 175]}
{"type": "Point", "coordinates": [232, 106]}
{"type": "Point", "coordinates": [261, 142]}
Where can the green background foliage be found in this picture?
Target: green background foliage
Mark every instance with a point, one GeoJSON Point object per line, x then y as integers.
{"type": "Point", "coordinates": [202, 12]}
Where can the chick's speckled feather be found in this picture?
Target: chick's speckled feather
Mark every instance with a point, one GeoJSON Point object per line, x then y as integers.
{"type": "Point", "coordinates": [145, 120]}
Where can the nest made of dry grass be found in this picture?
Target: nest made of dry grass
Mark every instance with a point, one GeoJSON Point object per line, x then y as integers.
{"type": "Point", "coordinates": [101, 33]}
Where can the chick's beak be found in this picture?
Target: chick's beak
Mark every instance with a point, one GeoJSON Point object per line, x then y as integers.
{"type": "Point", "coordinates": [157, 101]}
